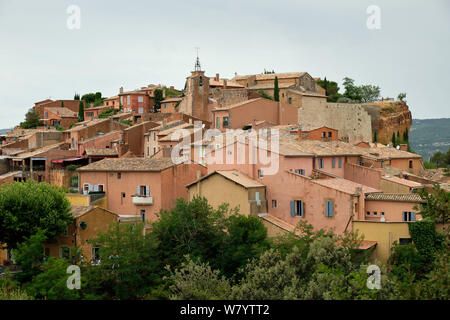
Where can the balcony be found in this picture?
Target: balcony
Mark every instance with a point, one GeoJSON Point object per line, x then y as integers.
{"type": "Point", "coordinates": [142, 200]}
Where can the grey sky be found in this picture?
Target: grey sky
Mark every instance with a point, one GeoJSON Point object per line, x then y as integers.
{"type": "Point", "coordinates": [135, 43]}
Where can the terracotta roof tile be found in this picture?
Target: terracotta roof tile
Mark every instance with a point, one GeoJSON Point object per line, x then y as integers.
{"type": "Point", "coordinates": [404, 197]}
{"type": "Point", "coordinates": [129, 164]}
{"type": "Point", "coordinates": [344, 185]}
{"type": "Point", "coordinates": [101, 152]}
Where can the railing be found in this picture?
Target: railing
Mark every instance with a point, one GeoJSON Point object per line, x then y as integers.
{"type": "Point", "coordinates": [142, 200]}
{"type": "Point", "coordinates": [96, 196]}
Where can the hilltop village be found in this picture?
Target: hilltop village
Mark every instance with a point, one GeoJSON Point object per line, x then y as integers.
{"type": "Point", "coordinates": [116, 160]}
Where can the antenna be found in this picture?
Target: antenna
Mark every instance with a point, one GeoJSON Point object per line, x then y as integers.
{"type": "Point", "coordinates": [197, 62]}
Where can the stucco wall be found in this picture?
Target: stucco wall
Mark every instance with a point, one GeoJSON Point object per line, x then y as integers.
{"type": "Point", "coordinates": [367, 176]}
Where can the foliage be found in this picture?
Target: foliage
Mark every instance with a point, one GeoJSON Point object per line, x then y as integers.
{"type": "Point", "coordinates": [193, 228]}
{"type": "Point", "coordinates": [401, 96]}
{"type": "Point", "coordinates": [158, 97]}
{"type": "Point", "coordinates": [27, 207]}
{"type": "Point", "coordinates": [436, 206]}
{"type": "Point", "coordinates": [107, 113]}
{"type": "Point", "coordinates": [127, 122]}
{"type": "Point", "coordinates": [363, 93]}
{"type": "Point", "coordinates": [10, 291]}
{"type": "Point", "coordinates": [268, 71]}
{"type": "Point", "coordinates": [29, 256]}
{"type": "Point", "coordinates": [32, 120]}
{"type": "Point", "coordinates": [170, 93]}
{"type": "Point", "coordinates": [81, 111]}
{"type": "Point", "coordinates": [331, 89]}
{"type": "Point", "coordinates": [428, 136]}
{"type": "Point", "coordinates": [441, 160]}
{"type": "Point", "coordinates": [95, 98]}
{"type": "Point", "coordinates": [129, 265]}
{"type": "Point", "coordinates": [276, 90]}
{"type": "Point", "coordinates": [263, 94]}
{"type": "Point", "coordinates": [51, 284]}
{"type": "Point", "coordinates": [425, 238]}
{"type": "Point", "coordinates": [60, 128]}
{"type": "Point", "coordinates": [197, 281]}
{"type": "Point", "coordinates": [76, 96]}
{"type": "Point", "coordinates": [375, 137]}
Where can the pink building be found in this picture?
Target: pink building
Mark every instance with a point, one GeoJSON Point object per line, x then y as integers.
{"type": "Point", "coordinates": [138, 186]}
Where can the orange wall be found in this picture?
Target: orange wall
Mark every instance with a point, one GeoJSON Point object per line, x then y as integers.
{"type": "Point", "coordinates": [392, 209]}
{"type": "Point", "coordinates": [367, 176]}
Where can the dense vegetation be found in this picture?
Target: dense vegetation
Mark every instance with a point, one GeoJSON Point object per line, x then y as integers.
{"type": "Point", "coordinates": [439, 160]}
{"type": "Point", "coordinates": [196, 252]}
{"type": "Point", "coordinates": [32, 120]}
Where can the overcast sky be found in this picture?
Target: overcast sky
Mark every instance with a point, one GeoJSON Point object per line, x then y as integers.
{"type": "Point", "coordinates": [135, 43]}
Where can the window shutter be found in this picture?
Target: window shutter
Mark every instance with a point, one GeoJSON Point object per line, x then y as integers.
{"type": "Point", "coordinates": [95, 188]}
{"type": "Point", "coordinates": [326, 209]}
{"type": "Point", "coordinates": [292, 208]}
{"type": "Point", "coordinates": [302, 209]}
{"type": "Point", "coordinates": [405, 216]}
{"type": "Point", "coordinates": [340, 162]}
{"type": "Point", "coordinates": [297, 171]}
{"type": "Point", "coordinates": [91, 187]}
{"type": "Point", "coordinates": [331, 211]}
{"type": "Point", "coordinates": [413, 216]}
{"type": "Point", "coordinates": [138, 191]}
{"type": "Point", "coordinates": [147, 191]}
{"type": "Point", "coordinates": [333, 160]}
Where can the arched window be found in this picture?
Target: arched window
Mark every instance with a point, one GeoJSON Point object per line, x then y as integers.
{"type": "Point", "coordinates": [201, 81]}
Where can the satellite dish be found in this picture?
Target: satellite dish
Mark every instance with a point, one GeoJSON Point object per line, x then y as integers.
{"type": "Point", "coordinates": [203, 126]}
{"type": "Point", "coordinates": [397, 147]}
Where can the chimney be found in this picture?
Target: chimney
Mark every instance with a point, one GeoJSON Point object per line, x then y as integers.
{"type": "Point", "coordinates": [217, 77]}
{"type": "Point", "coordinates": [404, 147]}
{"type": "Point", "coordinates": [172, 88]}
{"type": "Point", "coordinates": [224, 83]}
{"type": "Point", "coordinates": [121, 90]}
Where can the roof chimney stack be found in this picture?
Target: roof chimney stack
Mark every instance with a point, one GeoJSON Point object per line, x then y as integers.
{"type": "Point", "coordinates": [217, 77]}
{"type": "Point", "coordinates": [121, 90]}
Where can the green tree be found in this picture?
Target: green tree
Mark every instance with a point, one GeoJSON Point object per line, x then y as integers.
{"type": "Point", "coordinates": [331, 89]}
{"type": "Point", "coordinates": [26, 208]}
{"type": "Point", "coordinates": [130, 267]}
{"type": "Point", "coordinates": [32, 120]}
{"type": "Point", "coordinates": [51, 283]}
{"type": "Point", "coordinates": [62, 104]}
{"type": "Point", "coordinates": [369, 93]}
{"type": "Point", "coordinates": [436, 205]}
{"type": "Point", "coordinates": [401, 96]}
{"type": "Point", "coordinates": [375, 137]}
{"type": "Point", "coordinates": [352, 92]}
{"type": "Point", "coordinates": [393, 139]}
{"type": "Point", "coordinates": [193, 228]}
{"type": "Point", "coordinates": [107, 113]}
{"type": "Point", "coordinates": [197, 281]}
{"type": "Point", "coordinates": [276, 90]}
{"type": "Point", "coordinates": [29, 256]}
{"type": "Point", "coordinates": [81, 111]}
{"type": "Point", "coordinates": [158, 97]}
{"type": "Point", "coordinates": [397, 141]}
{"type": "Point", "coordinates": [76, 96]}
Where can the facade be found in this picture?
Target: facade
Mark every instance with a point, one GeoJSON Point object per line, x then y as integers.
{"type": "Point", "coordinates": [137, 186]}
{"type": "Point", "coordinates": [170, 105]}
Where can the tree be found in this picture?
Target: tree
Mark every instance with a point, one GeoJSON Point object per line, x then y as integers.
{"type": "Point", "coordinates": [393, 139]}
{"type": "Point", "coordinates": [158, 97]}
{"type": "Point", "coordinates": [193, 228]}
{"type": "Point", "coordinates": [331, 89]}
{"type": "Point", "coordinates": [276, 90]}
{"type": "Point", "coordinates": [32, 120]}
{"type": "Point", "coordinates": [197, 281]}
{"type": "Point", "coordinates": [130, 267]}
{"type": "Point", "coordinates": [352, 92]}
{"type": "Point", "coordinates": [27, 207]}
{"type": "Point", "coordinates": [81, 111]}
{"type": "Point", "coordinates": [397, 141]}
{"type": "Point", "coordinates": [369, 93]}
{"type": "Point", "coordinates": [107, 113]}
{"type": "Point", "coordinates": [375, 137]}
{"type": "Point", "coordinates": [436, 206]}
{"type": "Point", "coordinates": [62, 104]}
{"type": "Point", "coordinates": [76, 96]}
{"type": "Point", "coordinates": [401, 96]}
{"type": "Point", "coordinates": [29, 256]}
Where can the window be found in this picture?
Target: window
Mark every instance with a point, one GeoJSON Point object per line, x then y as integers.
{"type": "Point", "coordinates": [297, 208]}
{"type": "Point", "coordinates": [95, 256]}
{"type": "Point", "coordinates": [201, 81]}
{"type": "Point", "coordinates": [119, 175]}
{"type": "Point", "coordinates": [217, 122]}
{"type": "Point", "coordinates": [64, 252]}
{"type": "Point", "coordinates": [141, 110]}
{"type": "Point", "coordinates": [368, 213]}
{"type": "Point", "coordinates": [329, 208]}
{"type": "Point", "coordinates": [300, 171]}
{"type": "Point", "coordinates": [375, 213]}
{"type": "Point", "coordinates": [329, 134]}
{"type": "Point", "coordinates": [410, 164]}
{"type": "Point", "coordinates": [404, 241]}
{"type": "Point", "coordinates": [100, 188]}
{"type": "Point", "coordinates": [165, 105]}
{"type": "Point", "coordinates": [340, 162]}
{"type": "Point", "coordinates": [324, 134]}
{"type": "Point", "coordinates": [143, 191]}
{"type": "Point", "coordinates": [140, 99]}
{"type": "Point", "coordinates": [121, 100]}
{"type": "Point", "coordinates": [128, 100]}
{"type": "Point", "coordinates": [123, 195]}
{"type": "Point", "coordinates": [333, 162]}
{"type": "Point", "coordinates": [260, 174]}
{"type": "Point", "coordinates": [409, 216]}
{"type": "Point", "coordinates": [274, 203]}
{"type": "Point", "coordinates": [225, 122]}
{"type": "Point", "coordinates": [290, 100]}
{"type": "Point", "coordinates": [143, 216]}
{"type": "Point", "coordinates": [320, 163]}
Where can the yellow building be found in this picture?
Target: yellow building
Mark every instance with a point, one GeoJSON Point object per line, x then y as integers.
{"type": "Point", "coordinates": [384, 234]}
{"type": "Point", "coordinates": [232, 187]}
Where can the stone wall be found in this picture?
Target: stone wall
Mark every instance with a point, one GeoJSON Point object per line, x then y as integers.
{"type": "Point", "coordinates": [351, 120]}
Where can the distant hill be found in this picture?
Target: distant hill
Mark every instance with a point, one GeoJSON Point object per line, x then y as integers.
{"type": "Point", "coordinates": [429, 136]}
{"type": "Point", "coordinates": [3, 131]}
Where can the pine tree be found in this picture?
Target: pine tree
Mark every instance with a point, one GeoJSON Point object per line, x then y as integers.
{"type": "Point", "coordinates": [76, 96]}
{"type": "Point", "coordinates": [276, 91]}
{"type": "Point", "coordinates": [397, 142]}
{"type": "Point", "coordinates": [81, 112]}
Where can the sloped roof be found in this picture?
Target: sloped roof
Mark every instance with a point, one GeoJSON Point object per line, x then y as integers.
{"type": "Point", "coordinates": [235, 176]}
{"type": "Point", "coordinates": [129, 164]}
{"type": "Point", "coordinates": [344, 185]}
{"type": "Point", "coordinates": [36, 152]}
{"type": "Point", "coordinates": [271, 76]}
{"type": "Point", "coordinates": [62, 112]}
{"type": "Point", "coordinates": [101, 152]}
{"type": "Point", "coordinates": [409, 183]}
{"type": "Point", "coordinates": [402, 197]}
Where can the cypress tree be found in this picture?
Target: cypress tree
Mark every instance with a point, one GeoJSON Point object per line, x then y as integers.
{"type": "Point", "coordinates": [276, 91]}
{"type": "Point", "coordinates": [393, 138]}
{"type": "Point", "coordinates": [81, 112]}
{"type": "Point", "coordinates": [62, 104]}
{"type": "Point", "coordinates": [375, 137]}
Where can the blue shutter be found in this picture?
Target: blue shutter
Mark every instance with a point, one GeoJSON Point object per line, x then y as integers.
{"type": "Point", "coordinates": [302, 210]}
{"type": "Point", "coordinates": [297, 171]}
{"type": "Point", "coordinates": [138, 191]}
{"type": "Point", "coordinates": [331, 211]}
{"type": "Point", "coordinates": [96, 188]}
{"type": "Point", "coordinates": [326, 208]}
{"type": "Point", "coordinates": [340, 162]}
{"type": "Point", "coordinates": [413, 216]}
{"type": "Point", "coordinates": [333, 162]}
{"type": "Point", "coordinates": [147, 191]}
{"type": "Point", "coordinates": [91, 187]}
{"type": "Point", "coordinates": [292, 208]}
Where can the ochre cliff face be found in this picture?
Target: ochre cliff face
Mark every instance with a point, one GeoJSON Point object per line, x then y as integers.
{"type": "Point", "coordinates": [392, 117]}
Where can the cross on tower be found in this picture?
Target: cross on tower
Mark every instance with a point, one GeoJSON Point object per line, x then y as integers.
{"type": "Point", "coordinates": [197, 63]}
